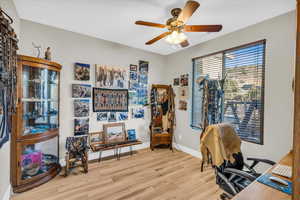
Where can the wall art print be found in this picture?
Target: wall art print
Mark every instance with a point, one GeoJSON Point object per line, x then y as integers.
{"type": "Point", "coordinates": [81, 126]}
{"type": "Point", "coordinates": [137, 113]}
{"type": "Point", "coordinates": [114, 133]}
{"type": "Point", "coordinates": [122, 116]}
{"type": "Point", "coordinates": [81, 91]}
{"type": "Point", "coordinates": [81, 107]}
{"type": "Point", "coordinates": [184, 80]}
{"type": "Point", "coordinates": [112, 117]}
{"type": "Point", "coordinates": [176, 82]}
{"type": "Point", "coordinates": [110, 100]}
{"type": "Point", "coordinates": [82, 72]}
{"type": "Point", "coordinates": [133, 68]}
{"type": "Point", "coordinates": [111, 77]}
{"type": "Point", "coordinates": [102, 116]}
{"type": "Point", "coordinates": [182, 105]}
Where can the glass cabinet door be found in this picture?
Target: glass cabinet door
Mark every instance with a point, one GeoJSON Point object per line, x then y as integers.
{"type": "Point", "coordinates": [38, 158]}
{"type": "Point", "coordinates": [40, 100]}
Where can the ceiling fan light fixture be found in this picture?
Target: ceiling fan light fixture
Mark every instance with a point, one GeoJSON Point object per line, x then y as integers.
{"type": "Point", "coordinates": [176, 37]}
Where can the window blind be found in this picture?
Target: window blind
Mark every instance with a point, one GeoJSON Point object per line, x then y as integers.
{"type": "Point", "coordinates": [243, 71]}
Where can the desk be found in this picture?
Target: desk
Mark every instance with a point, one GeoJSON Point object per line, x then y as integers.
{"type": "Point", "coordinates": [259, 191]}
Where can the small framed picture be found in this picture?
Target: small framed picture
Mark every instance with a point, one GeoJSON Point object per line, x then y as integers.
{"type": "Point", "coordinates": [112, 117]}
{"type": "Point", "coordinates": [123, 116]}
{"type": "Point", "coordinates": [82, 72]}
{"type": "Point", "coordinates": [114, 133]}
{"type": "Point", "coordinates": [133, 68]}
{"type": "Point", "coordinates": [131, 135]}
{"type": "Point", "coordinates": [81, 91]}
{"type": "Point", "coordinates": [102, 116]}
{"type": "Point", "coordinates": [176, 82]}
{"type": "Point", "coordinates": [81, 126]}
{"type": "Point", "coordinates": [81, 107]}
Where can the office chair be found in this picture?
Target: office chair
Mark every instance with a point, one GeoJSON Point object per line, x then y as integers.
{"type": "Point", "coordinates": [222, 145]}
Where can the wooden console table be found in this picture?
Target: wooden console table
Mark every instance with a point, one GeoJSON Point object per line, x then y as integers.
{"type": "Point", "coordinates": [256, 190]}
{"type": "Point", "coordinates": [117, 149]}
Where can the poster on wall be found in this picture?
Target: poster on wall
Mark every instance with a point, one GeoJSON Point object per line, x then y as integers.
{"type": "Point", "coordinates": [81, 107]}
{"type": "Point", "coordinates": [82, 72]}
{"type": "Point", "coordinates": [81, 126]}
{"type": "Point", "coordinates": [111, 77]}
{"type": "Point", "coordinates": [110, 100]}
{"type": "Point", "coordinates": [81, 90]}
{"type": "Point", "coordinates": [133, 68]}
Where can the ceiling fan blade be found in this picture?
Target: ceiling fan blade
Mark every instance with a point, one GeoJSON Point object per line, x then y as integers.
{"type": "Point", "coordinates": [202, 28]}
{"type": "Point", "coordinates": [185, 43]}
{"type": "Point", "coordinates": [158, 38]}
{"type": "Point", "coordinates": [188, 10]}
{"type": "Point", "coordinates": [150, 24]}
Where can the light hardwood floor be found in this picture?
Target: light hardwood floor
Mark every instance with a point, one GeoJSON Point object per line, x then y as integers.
{"type": "Point", "coordinates": [159, 174]}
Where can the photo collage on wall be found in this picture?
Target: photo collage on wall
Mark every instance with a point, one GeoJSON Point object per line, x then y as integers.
{"type": "Point", "coordinates": [115, 90]}
{"type": "Point", "coordinates": [182, 84]}
{"type": "Point", "coordinates": [81, 94]}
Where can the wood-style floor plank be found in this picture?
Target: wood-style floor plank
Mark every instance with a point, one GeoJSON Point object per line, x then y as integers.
{"type": "Point", "coordinates": [147, 175]}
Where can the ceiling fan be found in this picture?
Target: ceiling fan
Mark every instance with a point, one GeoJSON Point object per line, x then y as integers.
{"type": "Point", "coordinates": [177, 25]}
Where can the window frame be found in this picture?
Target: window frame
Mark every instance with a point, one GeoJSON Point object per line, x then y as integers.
{"type": "Point", "coordinates": [262, 112]}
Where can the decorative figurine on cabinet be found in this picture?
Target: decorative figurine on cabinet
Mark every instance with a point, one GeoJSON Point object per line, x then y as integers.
{"type": "Point", "coordinates": [48, 54]}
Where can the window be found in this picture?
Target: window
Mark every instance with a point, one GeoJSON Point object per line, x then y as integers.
{"type": "Point", "coordinates": [242, 68]}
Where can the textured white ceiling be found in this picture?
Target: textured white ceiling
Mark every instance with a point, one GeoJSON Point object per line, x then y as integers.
{"type": "Point", "coordinates": [113, 20]}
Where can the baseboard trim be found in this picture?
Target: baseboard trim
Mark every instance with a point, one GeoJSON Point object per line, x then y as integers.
{"type": "Point", "coordinates": [7, 193]}
{"type": "Point", "coordinates": [187, 150]}
{"type": "Point", "coordinates": [94, 156]}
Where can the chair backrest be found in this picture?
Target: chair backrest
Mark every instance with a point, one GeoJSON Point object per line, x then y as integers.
{"type": "Point", "coordinates": [77, 144]}
{"type": "Point", "coordinates": [222, 143]}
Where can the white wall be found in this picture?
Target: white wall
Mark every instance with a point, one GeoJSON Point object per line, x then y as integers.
{"type": "Point", "coordinates": [280, 33]}
{"type": "Point", "coordinates": [68, 48]}
{"type": "Point", "coordinates": [9, 7]}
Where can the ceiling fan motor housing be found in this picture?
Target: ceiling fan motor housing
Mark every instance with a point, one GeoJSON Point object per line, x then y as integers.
{"type": "Point", "coordinates": [173, 24]}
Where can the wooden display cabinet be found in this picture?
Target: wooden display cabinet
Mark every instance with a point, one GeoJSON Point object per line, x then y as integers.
{"type": "Point", "coordinates": [35, 130]}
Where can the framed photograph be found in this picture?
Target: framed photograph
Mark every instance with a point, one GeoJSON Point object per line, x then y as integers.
{"type": "Point", "coordinates": [182, 105]}
{"type": "Point", "coordinates": [131, 135]}
{"type": "Point", "coordinates": [102, 116]}
{"type": "Point", "coordinates": [184, 80]}
{"type": "Point", "coordinates": [96, 139]}
{"type": "Point", "coordinates": [111, 77]}
{"type": "Point", "coordinates": [176, 82]}
{"type": "Point", "coordinates": [81, 107]}
{"type": "Point", "coordinates": [133, 76]}
{"type": "Point", "coordinates": [133, 68]}
{"type": "Point", "coordinates": [183, 92]}
{"type": "Point", "coordinates": [81, 91]}
{"type": "Point", "coordinates": [112, 117]}
{"type": "Point", "coordinates": [137, 113]}
{"type": "Point", "coordinates": [123, 116]}
{"type": "Point", "coordinates": [81, 126]}
{"type": "Point", "coordinates": [110, 100]}
{"type": "Point", "coordinates": [132, 97]}
{"type": "Point", "coordinates": [114, 133]}
{"type": "Point", "coordinates": [143, 67]}
{"type": "Point", "coordinates": [82, 72]}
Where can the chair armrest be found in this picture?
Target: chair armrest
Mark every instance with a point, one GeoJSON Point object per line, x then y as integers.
{"type": "Point", "coordinates": [257, 160]}
{"type": "Point", "coordinates": [240, 173]}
